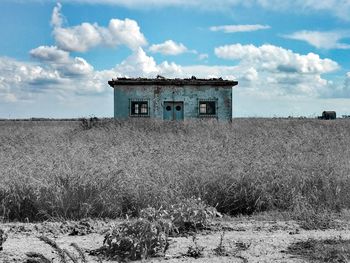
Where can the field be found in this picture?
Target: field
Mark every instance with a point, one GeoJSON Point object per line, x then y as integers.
{"type": "Point", "coordinates": [68, 170]}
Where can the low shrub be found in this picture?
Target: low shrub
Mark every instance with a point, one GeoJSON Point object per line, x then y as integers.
{"type": "Point", "coordinates": [186, 215]}
{"type": "Point", "coordinates": [88, 123]}
{"type": "Point", "coordinates": [148, 235]}
{"type": "Point", "coordinates": [135, 240]}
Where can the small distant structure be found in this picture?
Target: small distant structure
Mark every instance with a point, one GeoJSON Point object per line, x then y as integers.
{"type": "Point", "coordinates": [172, 99]}
{"type": "Point", "coordinates": [346, 116]}
{"type": "Point", "coordinates": [328, 115]}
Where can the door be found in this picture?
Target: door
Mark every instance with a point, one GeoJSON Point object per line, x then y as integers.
{"type": "Point", "coordinates": [173, 110]}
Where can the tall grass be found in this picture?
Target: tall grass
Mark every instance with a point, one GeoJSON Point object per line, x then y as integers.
{"type": "Point", "coordinates": [59, 169]}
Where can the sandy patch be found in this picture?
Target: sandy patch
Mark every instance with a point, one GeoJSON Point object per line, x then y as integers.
{"type": "Point", "coordinates": [244, 241]}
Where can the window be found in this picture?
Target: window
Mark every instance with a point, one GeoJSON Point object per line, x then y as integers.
{"type": "Point", "coordinates": [139, 108]}
{"type": "Point", "coordinates": [207, 108]}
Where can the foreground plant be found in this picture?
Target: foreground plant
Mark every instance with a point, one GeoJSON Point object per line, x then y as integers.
{"type": "Point", "coordinates": [187, 215]}
{"type": "Point", "coordinates": [63, 254]}
{"type": "Point", "coordinates": [148, 236]}
{"type": "Point", "coordinates": [135, 240]}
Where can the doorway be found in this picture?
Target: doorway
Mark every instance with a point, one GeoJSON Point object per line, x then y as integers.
{"type": "Point", "coordinates": [173, 110]}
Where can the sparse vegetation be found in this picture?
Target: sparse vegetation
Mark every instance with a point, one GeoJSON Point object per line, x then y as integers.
{"type": "Point", "coordinates": [328, 250]}
{"type": "Point", "coordinates": [88, 123]}
{"type": "Point", "coordinates": [220, 250]}
{"type": "Point", "coordinates": [186, 215]}
{"type": "Point", "coordinates": [148, 235]}
{"type": "Point", "coordinates": [64, 255]}
{"type": "Point", "coordinates": [118, 168]}
{"type": "Point", "coordinates": [135, 240]}
{"type": "Point", "coordinates": [195, 250]}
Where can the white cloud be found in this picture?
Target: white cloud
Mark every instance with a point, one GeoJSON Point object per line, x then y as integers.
{"type": "Point", "coordinates": [86, 36]}
{"type": "Point", "coordinates": [340, 91]}
{"type": "Point", "coordinates": [61, 61]}
{"type": "Point", "coordinates": [56, 73]}
{"type": "Point", "coordinates": [19, 79]}
{"type": "Point", "coordinates": [279, 71]}
{"type": "Point", "coordinates": [78, 38]}
{"type": "Point", "coordinates": [57, 18]}
{"type": "Point", "coordinates": [123, 32]}
{"type": "Point", "coordinates": [346, 88]}
{"type": "Point", "coordinates": [169, 47]}
{"type": "Point", "coordinates": [239, 28]}
{"type": "Point", "coordinates": [322, 40]}
{"type": "Point", "coordinates": [203, 56]}
{"type": "Point", "coordinates": [273, 58]}
{"type": "Point", "coordinates": [138, 65]}
{"type": "Point", "coordinates": [50, 53]}
{"type": "Point", "coordinates": [267, 70]}
{"type": "Point", "coordinates": [251, 74]}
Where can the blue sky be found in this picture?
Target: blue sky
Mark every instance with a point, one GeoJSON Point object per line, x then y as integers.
{"type": "Point", "coordinates": [290, 57]}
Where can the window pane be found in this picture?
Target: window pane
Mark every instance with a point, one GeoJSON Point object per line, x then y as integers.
{"type": "Point", "coordinates": [203, 108]}
{"type": "Point", "coordinates": [136, 108]}
{"type": "Point", "coordinates": [211, 107]}
{"type": "Point", "coordinates": [144, 108]}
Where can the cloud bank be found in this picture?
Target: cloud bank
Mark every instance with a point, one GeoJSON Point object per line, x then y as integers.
{"type": "Point", "coordinates": [265, 70]}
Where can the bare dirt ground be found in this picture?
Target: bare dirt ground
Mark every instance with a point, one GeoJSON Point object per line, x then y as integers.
{"type": "Point", "coordinates": [245, 240]}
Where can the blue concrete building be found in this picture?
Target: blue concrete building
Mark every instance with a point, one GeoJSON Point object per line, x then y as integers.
{"type": "Point", "coordinates": [172, 99]}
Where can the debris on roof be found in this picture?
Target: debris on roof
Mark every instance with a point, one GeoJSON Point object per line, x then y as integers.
{"type": "Point", "coordinates": [162, 81]}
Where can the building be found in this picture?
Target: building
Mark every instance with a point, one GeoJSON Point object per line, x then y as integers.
{"type": "Point", "coordinates": [329, 115]}
{"type": "Point", "coordinates": [172, 99]}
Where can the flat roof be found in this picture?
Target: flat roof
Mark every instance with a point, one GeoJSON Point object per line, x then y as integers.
{"type": "Point", "coordinates": [161, 81]}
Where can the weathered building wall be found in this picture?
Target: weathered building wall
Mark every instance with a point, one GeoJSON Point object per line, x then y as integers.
{"type": "Point", "coordinates": [157, 95]}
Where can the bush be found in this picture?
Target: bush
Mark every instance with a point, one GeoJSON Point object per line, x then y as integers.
{"type": "Point", "coordinates": [136, 240]}
{"type": "Point", "coordinates": [148, 235]}
{"type": "Point", "coordinates": [189, 214]}
{"type": "Point", "coordinates": [88, 123]}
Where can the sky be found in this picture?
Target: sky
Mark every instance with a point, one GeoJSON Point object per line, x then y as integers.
{"type": "Point", "coordinates": [291, 57]}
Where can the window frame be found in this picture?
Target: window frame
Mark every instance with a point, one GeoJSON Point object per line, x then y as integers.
{"type": "Point", "coordinates": [139, 103]}
{"type": "Point", "coordinates": [206, 101]}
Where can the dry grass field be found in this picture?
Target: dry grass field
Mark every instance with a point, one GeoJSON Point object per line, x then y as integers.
{"type": "Point", "coordinates": [65, 170]}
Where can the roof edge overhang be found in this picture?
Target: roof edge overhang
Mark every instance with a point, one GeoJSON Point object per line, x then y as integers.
{"type": "Point", "coordinates": [219, 82]}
